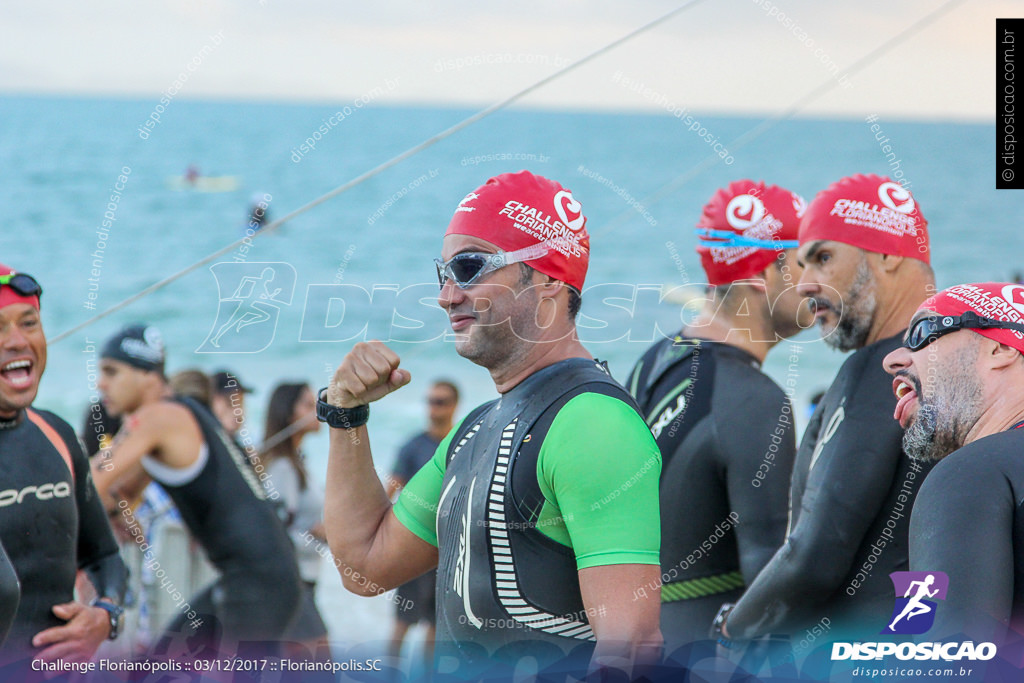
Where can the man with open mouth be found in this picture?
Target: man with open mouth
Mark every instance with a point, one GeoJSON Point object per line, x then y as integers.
{"type": "Point", "coordinates": [959, 383]}
{"type": "Point", "coordinates": [51, 520]}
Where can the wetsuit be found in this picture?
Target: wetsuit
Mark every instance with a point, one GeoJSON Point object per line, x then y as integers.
{"type": "Point", "coordinates": [558, 475]}
{"type": "Point", "coordinates": [222, 503]}
{"type": "Point", "coordinates": [52, 524]}
{"type": "Point", "coordinates": [10, 594]}
{"type": "Point", "coordinates": [968, 522]}
{"type": "Point", "coordinates": [725, 431]}
{"type": "Point", "coordinates": [852, 492]}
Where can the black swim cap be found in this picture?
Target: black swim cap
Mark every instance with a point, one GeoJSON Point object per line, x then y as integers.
{"type": "Point", "coordinates": [141, 346]}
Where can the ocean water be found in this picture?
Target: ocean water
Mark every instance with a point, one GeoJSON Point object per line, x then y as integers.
{"type": "Point", "coordinates": [60, 162]}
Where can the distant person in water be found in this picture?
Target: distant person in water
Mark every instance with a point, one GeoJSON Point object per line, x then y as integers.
{"type": "Point", "coordinates": [192, 174]}
{"type": "Point", "coordinates": [258, 216]}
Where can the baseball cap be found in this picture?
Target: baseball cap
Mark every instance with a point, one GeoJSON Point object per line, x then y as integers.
{"type": "Point", "coordinates": [227, 382]}
{"type": "Point", "coordinates": [141, 346]}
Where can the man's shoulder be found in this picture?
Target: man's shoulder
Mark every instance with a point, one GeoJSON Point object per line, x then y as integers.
{"type": "Point", "coordinates": [163, 416]}
{"type": "Point", "coordinates": [590, 411]}
{"type": "Point", "coordinates": [997, 455]}
{"type": "Point", "coordinates": [55, 421]}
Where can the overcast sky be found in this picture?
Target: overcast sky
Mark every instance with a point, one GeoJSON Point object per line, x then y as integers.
{"type": "Point", "coordinates": [717, 56]}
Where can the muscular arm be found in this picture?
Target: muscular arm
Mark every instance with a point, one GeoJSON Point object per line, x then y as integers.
{"type": "Point", "coordinates": [165, 430]}
{"type": "Point", "coordinates": [605, 486]}
{"type": "Point", "coordinates": [844, 492]}
{"type": "Point", "coordinates": [626, 625]}
{"type": "Point", "coordinates": [376, 552]}
{"type": "Point", "coordinates": [757, 457]}
{"type": "Point", "coordinates": [962, 524]}
{"type": "Point", "coordinates": [97, 550]}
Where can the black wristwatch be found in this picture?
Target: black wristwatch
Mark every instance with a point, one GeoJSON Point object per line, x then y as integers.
{"type": "Point", "coordinates": [116, 614]}
{"type": "Point", "coordinates": [340, 418]}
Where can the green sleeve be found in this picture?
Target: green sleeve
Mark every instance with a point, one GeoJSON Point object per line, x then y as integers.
{"type": "Point", "coordinates": [599, 468]}
{"type": "Point", "coordinates": [416, 507]}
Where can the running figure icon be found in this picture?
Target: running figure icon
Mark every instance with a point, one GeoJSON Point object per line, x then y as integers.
{"type": "Point", "coordinates": [915, 606]}
{"type": "Point", "coordinates": [250, 299]}
{"type": "Point", "coordinates": [252, 308]}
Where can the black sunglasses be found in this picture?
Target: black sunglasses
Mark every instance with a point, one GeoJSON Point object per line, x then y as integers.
{"type": "Point", "coordinates": [22, 284]}
{"type": "Point", "coordinates": [929, 328]}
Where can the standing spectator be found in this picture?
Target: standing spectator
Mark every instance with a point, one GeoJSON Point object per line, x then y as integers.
{"type": "Point", "coordinates": [291, 414]}
{"type": "Point", "coordinates": [414, 601]}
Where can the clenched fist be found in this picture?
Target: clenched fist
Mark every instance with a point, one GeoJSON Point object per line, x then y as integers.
{"type": "Point", "coordinates": [368, 372]}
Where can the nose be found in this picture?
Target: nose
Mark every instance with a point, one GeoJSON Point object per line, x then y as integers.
{"type": "Point", "coordinates": [897, 360]}
{"type": "Point", "coordinates": [450, 294]}
{"type": "Point", "coordinates": [806, 286]}
{"type": "Point", "coordinates": [13, 338]}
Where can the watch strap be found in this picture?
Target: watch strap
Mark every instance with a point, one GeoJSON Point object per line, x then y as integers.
{"type": "Point", "coordinates": [340, 418]}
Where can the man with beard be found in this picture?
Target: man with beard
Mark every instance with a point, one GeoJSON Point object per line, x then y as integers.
{"type": "Point", "coordinates": [51, 520]}
{"type": "Point", "coordinates": [961, 400]}
{"type": "Point", "coordinates": [864, 248]}
{"type": "Point", "coordinates": [725, 429]}
{"type": "Point", "coordinates": [540, 510]}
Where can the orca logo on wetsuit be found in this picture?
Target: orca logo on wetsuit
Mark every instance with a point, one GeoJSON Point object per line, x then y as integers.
{"type": "Point", "coordinates": [61, 489]}
{"type": "Point", "coordinates": [914, 612]}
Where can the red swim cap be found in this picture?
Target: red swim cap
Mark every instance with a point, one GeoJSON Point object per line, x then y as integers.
{"type": "Point", "coordinates": [8, 296]}
{"type": "Point", "coordinates": [996, 300]}
{"type": "Point", "coordinates": [516, 210]}
{"type": "Point", "coordinates": [764, 220]}
{"type": "Point", "coordinates": [870, 212]}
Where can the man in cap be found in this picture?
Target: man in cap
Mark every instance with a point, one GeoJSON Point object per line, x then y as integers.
{"type": "Point", "coordinates": [177, 443]}
{"type": "Point", "coordinates": [864, 249]}
{"type": "Point", "coordinates": [959, 382]}
{"type": "Point", "coordinates": [51, 521]}
{"type": "Point", "coordinates": [540, 509]}
{"type": "Point", "coordinates": [227, 401]}
{"type": "Point", "coordinates": [725, 429]}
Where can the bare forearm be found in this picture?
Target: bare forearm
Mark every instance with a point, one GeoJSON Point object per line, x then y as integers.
{"type": "Point", "coordinates": [355, 503]}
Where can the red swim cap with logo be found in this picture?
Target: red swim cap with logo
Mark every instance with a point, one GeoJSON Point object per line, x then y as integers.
{"type": "Point", "coordinates": [8, 296]}
{"type": "Point", "coordinates": [755, 212]}
{"type": "Point", "coordinates": [870, 212]}
{"type": "Point", "coordinates": [516, 210]}
{"type": "Point", "coordinates": [996, 300]}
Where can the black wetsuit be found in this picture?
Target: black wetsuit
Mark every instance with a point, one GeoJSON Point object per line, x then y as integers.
{"type": "Point", "coordinates": [52, 524]}
{"type": "Point", "coordinates": [226, 510]}
{"type": "Point", "coordinates": [852, 493]}
{"type": "Point", "coordinates": [10, 594]}
{"type": "Point", "coordinates": [523, 587]}
{"type": "Point", "coordinates": [725, 431]}
{"type": "Point", "coordinates": [968, 522]}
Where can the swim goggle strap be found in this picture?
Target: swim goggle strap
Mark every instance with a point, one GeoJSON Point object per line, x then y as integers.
{"type": "Point", "coordinates": [22, 284]}
{"type": "Point", "coordinates": [469, 266]}
{"type": "Point", "coordinates": [928, 329]}
{"type": "Point", "coordinates": [728, 238]}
